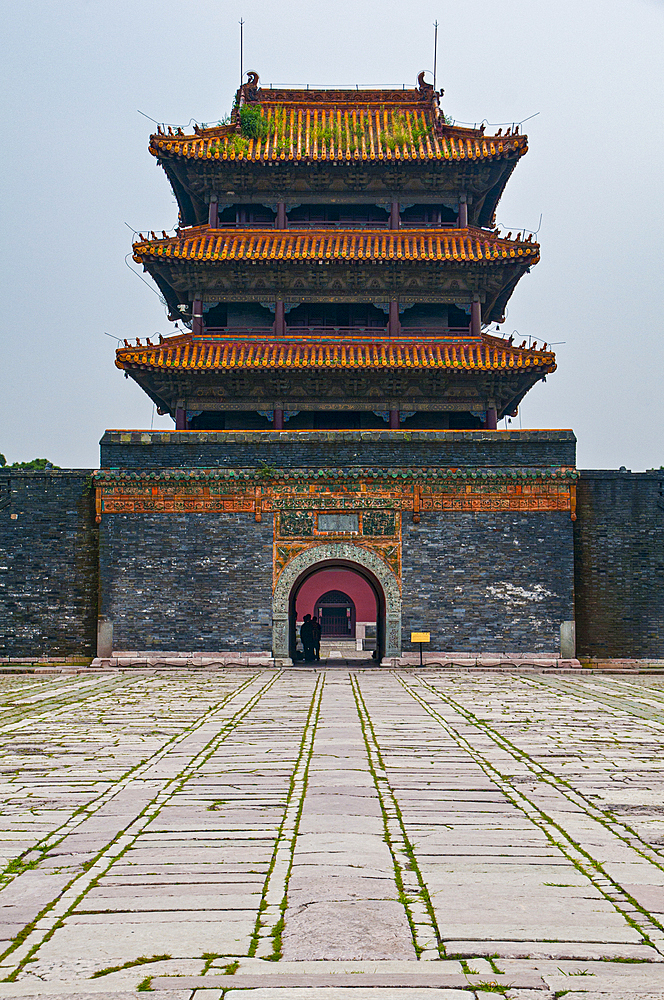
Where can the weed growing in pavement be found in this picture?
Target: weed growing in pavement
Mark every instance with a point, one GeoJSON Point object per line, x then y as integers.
{"type": "Point", "coordinates": [210, 748]}
{"type": "Point", "coordinates": [18, 866]}
{"type": "Point", "coordinates": [143, 960]}
{"type": "Point", "coordinates": [491, 959]}
{"type": "Point", "coordinates": [20, 938]}
{"type": "Point", "coordinates": [311, 724]}
{"type": "Point", "coordinates": [277, 933]}
{"type": "Point", "coordinates": [423, 892]}
{"type": "Point", "coordinates": [231, 968]}
{"type": "Point", "coordinates": [209, 957]}
{"type": "Point", "coordinates": [491, 987]}
{"type": "Point", "coordinates": [545, 823]}
{"type": "Point", "coordinates": [629, 961]}
{"type": "Point", "coordinates": [145, 985]}
{"type": "Point", "coordinates": [466, 968]}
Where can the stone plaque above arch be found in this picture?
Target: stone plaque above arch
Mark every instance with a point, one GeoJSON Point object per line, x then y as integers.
{"type": "Point", "coordinates": [348, 554]}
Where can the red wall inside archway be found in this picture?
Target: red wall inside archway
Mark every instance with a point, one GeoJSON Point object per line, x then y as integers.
{"type": "Point", "coordinates": [350, 583]}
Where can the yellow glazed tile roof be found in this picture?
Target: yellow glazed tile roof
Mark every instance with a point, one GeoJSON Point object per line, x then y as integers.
{"type": "Point", "coordinates": [358, 133]}
{"type": "Point", "coordinates": [461, 245]}
{"type": "Point", "coordinates": [221, 354]}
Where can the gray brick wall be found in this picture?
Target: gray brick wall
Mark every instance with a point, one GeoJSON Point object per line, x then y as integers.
{"type": "Point", "coordinates": [488, 582]}
{"type": "Point", "coordinates": [48, 564]}
{"type": "Point", "coordinates": [281, 449]}
{"type": "Point", "coordinates": [619, 564]}
{"type": "Point", "coordinates": [187, 582]}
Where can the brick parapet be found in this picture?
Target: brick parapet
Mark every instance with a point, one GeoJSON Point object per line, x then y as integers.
{"type": "Point", "coordinates": [283, 449]}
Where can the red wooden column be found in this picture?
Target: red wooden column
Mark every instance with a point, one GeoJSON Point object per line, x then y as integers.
{"type": "Point", "coordinates": [279, 318]}
{"type": "Point", "coordinates": [394, 326]}
{"type": "Point", "coordinates": [463, 212]}
{"type": "Point", "coordinates": [180, 419]}
{"type": "Point", "coordinates": [395, 423]}
{"type": "Point", "coordinates": [475, 318]}
{"type": "Point", "coordinates": [281, 215]}
{"type": "Point", "coordinates": [395, 216]}
{"type": "Point", "coordinates": [213, 213]}
{"type": "Point", "coordinates": [197, 317]}
{"type": "Point", "coordinates": [278, 420]}
{"type": "Point", "coordinates": [491, 423]}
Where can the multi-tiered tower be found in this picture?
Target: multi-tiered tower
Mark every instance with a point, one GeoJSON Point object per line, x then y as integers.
{"type": "Point", "coordinates": [336, 389]}
{"type": "Point", "coordinates": [337, 266]}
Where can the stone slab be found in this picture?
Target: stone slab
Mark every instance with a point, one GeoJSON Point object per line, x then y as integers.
{"type": "Point", "coordinates": [415, 979]}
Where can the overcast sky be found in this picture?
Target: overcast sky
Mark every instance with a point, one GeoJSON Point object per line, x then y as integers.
{"type": "Point", "coordinates": [77, 179]}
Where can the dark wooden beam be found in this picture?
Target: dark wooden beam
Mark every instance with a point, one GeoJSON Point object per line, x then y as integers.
{"type": "Point", "coordinates": [197, 317]}
{"type": "Point", "coordinates": [394, 324]}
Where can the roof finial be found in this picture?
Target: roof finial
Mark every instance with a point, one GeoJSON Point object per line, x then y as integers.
{"type": "Point", "coordinates": [241, 22]}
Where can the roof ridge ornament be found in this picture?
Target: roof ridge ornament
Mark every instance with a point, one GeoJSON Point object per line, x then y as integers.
{"type": "Point", "coordinates": [427, 91]}
{"type": "Point", "coordinates": [422, 85]}
{"type": "Point", "coordinates": [250, 88]}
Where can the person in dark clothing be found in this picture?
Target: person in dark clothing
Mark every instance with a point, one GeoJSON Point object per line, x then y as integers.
{"type": "Point", "coordinates": [317, 630]}
{"type": "Point", "coordinates": [307, 637]}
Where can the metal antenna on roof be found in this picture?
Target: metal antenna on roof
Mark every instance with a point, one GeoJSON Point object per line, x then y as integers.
{"type": "Point", "coordinates": [435, 51]}
{"type": "Point", "coordinates": [241, 22]}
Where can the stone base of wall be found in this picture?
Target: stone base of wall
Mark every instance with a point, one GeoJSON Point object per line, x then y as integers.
{"type": "Point", "coordinates": [485, 661]}
{"type": "Point", "coordinates": [207, 661]}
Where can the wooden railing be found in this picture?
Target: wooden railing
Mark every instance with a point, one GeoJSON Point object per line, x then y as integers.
{"type": "Point", "coordinates": [381, 332]}
{"type": "Point", "coordinates": [345, 224]}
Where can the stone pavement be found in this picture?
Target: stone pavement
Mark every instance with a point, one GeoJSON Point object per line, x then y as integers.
{"type": "Point", "coordinates": [344, 834]}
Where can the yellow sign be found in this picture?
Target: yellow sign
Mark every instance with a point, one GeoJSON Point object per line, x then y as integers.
{"type": "Point", "coordinates": [420, 636]}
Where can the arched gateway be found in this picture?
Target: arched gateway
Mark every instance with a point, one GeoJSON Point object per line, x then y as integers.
{"type": "Point", "coordinates": [349, 556]}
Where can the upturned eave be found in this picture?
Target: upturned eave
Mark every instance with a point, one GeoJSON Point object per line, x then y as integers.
{"type": "Point", "coordinates": [209, 246]}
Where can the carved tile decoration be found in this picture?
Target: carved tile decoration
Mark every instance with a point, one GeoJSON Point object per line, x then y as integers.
{"type": "Point", "coordinates": [297, 530]}
{"type": "Point", "coordinates": [388, 552]}
{"type": "Point", "coordinates": [379, 522]}
{"type": "Point", "coordinates": [362, 490]}
{"type": "Point", "coordinates": [296, 523]}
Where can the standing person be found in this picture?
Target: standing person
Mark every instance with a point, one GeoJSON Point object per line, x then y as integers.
{"type": "Point", "coordinates": [307, 637]}
{"type": "Point", "coordinates": [317, 630]}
